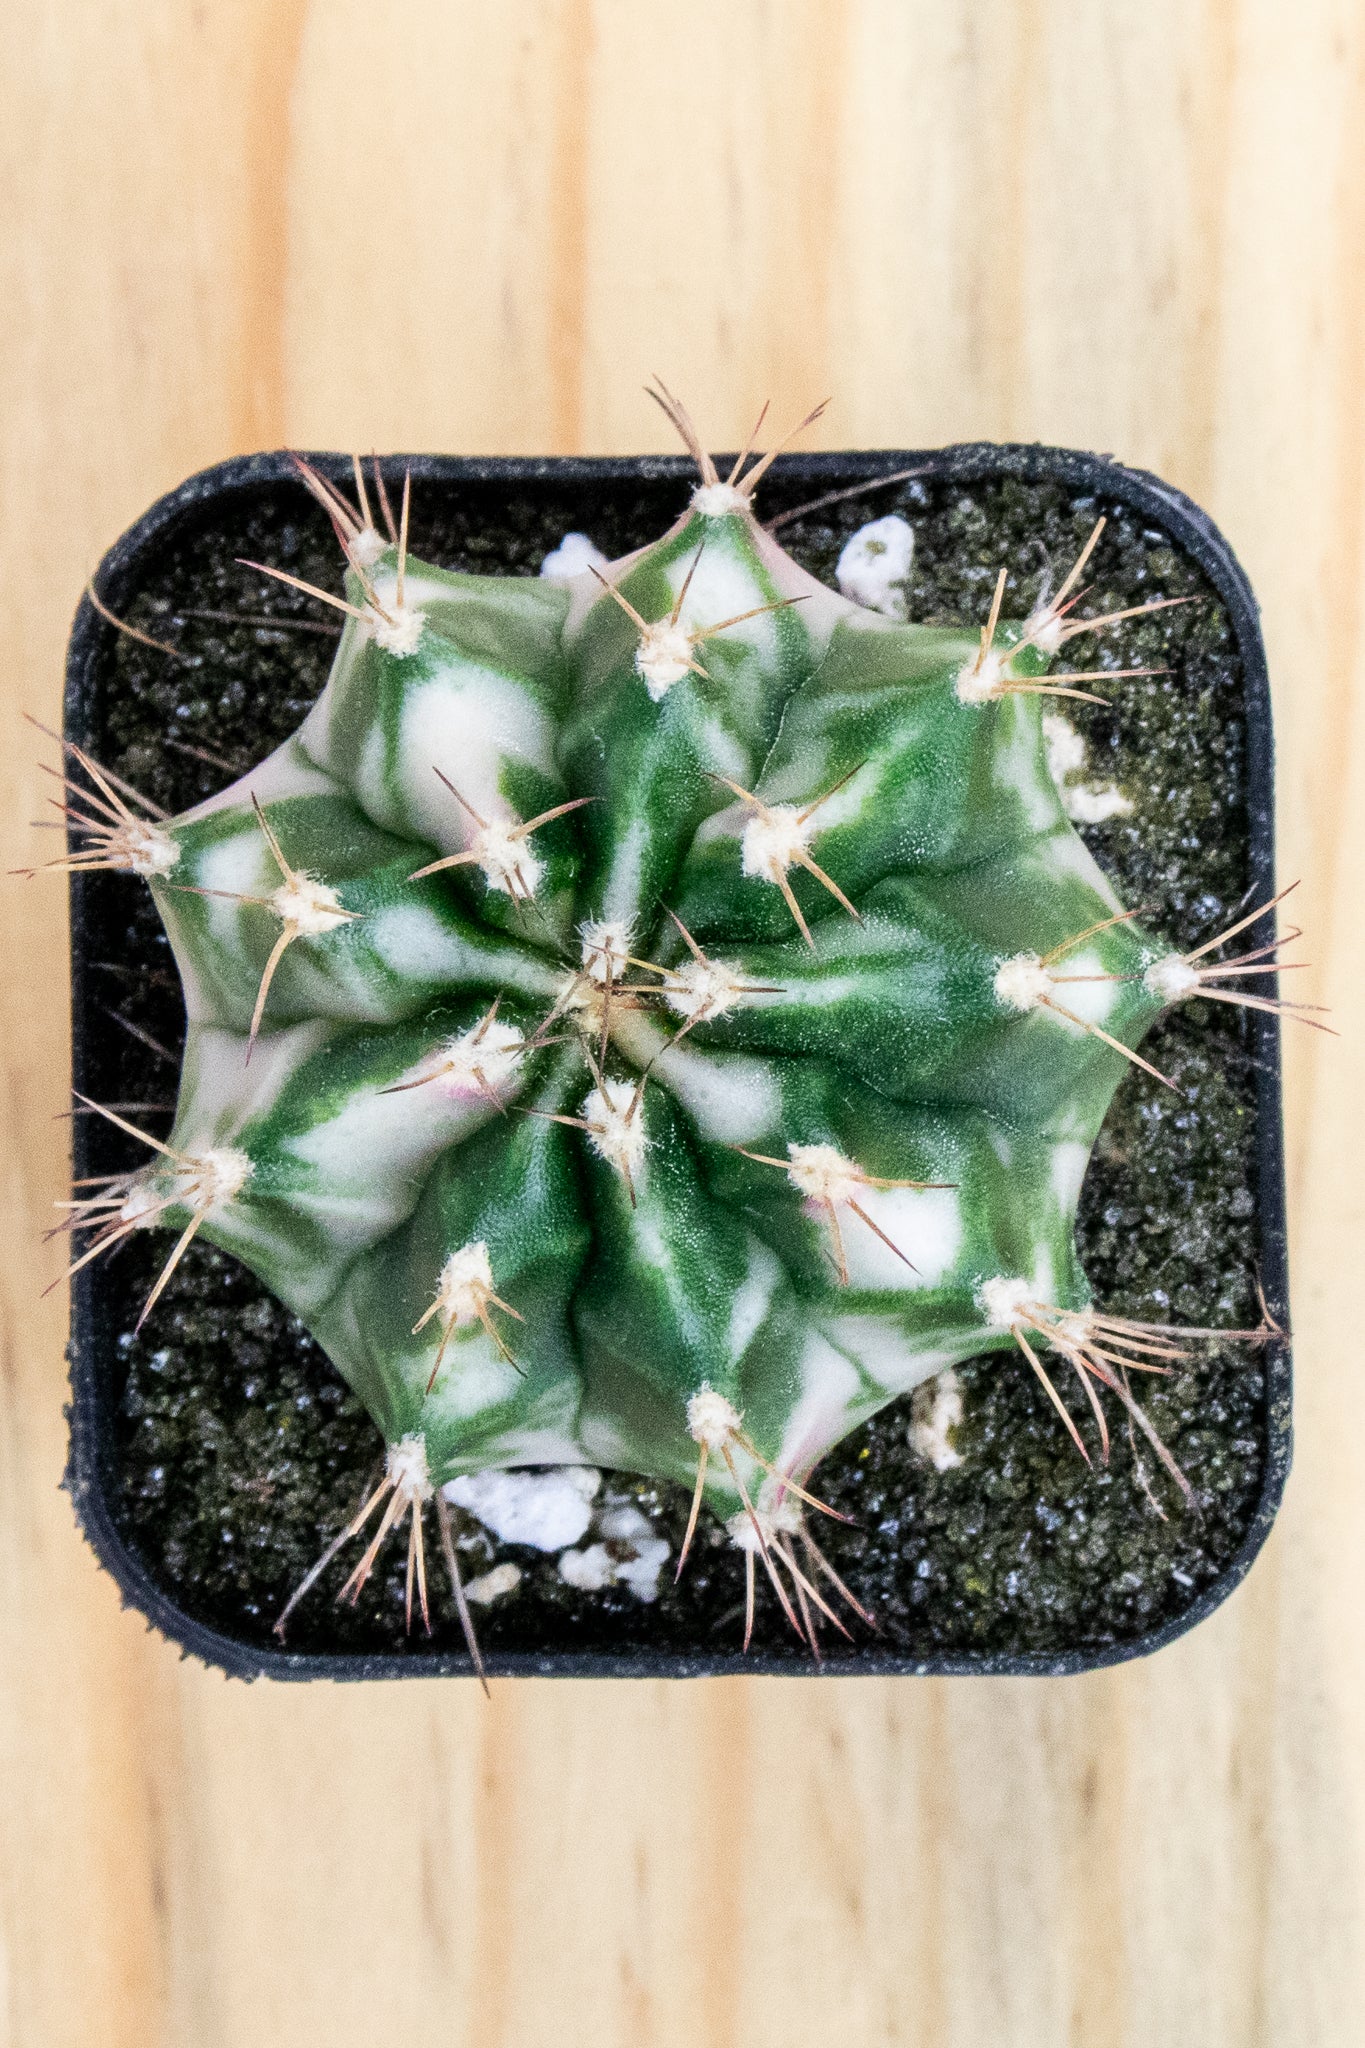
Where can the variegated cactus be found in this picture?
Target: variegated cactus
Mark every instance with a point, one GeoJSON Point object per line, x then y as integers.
{"type": "Point", "coordinates": [650, 1016]}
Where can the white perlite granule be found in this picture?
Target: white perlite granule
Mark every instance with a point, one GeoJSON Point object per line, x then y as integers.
{"type": "Point", "coordinates": [547, 1510]}
{"type": "Point", "coordinates": [494, 1585]}
{"type": "Point", "coordinates": [574, 554]}
{"type": "Point", "coordinates": [875, 563]}
{"type": "Point", "coordinates": [935, 1412]}
{"type": "Point", "coordinates": [597, 1567]}
{"type": "Point", "coordinates": [1087, 803]}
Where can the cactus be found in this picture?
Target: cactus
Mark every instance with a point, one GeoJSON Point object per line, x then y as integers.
{"type": "Point", "coordinates": [653, 1015]}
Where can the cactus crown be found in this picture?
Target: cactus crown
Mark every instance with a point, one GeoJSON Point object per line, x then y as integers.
{"type": "Point", "coordinates": [650, 1016]}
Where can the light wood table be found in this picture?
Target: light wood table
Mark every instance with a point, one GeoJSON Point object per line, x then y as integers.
{"type": "Point", "coordinates": [1132, 225]}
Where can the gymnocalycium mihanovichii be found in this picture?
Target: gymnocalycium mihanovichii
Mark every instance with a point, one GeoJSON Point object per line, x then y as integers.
{"type": "Point", "coordinates": [652, 1016]}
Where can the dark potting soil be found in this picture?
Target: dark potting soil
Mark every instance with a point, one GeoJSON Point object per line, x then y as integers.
{"type": "Point", "coordinates": [237, 1450]}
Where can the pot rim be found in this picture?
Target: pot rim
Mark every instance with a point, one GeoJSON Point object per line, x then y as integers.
{"type": "Point", "coordinates": [1195, 534]}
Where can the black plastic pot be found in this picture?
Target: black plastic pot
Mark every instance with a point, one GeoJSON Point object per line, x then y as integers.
{"type": "Point", "coordinates": [626, 500]}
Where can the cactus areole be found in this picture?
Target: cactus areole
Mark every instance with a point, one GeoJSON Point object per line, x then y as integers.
{"type": "Point", "coordinates": [652, 1017]}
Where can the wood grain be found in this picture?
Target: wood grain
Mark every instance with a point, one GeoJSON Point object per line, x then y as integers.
{"type": "Point", "coordinates": [1134, 225]}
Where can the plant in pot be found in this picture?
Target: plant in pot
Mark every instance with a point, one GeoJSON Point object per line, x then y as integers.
{"type": "Point", "coordinates": [644, 1021]}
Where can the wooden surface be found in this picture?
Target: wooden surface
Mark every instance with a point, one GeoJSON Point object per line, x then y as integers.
{"type": "Point", "coordinates": [1132, 225]}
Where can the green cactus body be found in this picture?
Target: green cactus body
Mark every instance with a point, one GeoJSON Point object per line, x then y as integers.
{"type": "Point", "coordinates": [650, 1020]}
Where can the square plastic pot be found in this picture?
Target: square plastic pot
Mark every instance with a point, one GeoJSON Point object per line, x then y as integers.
{"type": "Point", "coordinates": [220, 502]}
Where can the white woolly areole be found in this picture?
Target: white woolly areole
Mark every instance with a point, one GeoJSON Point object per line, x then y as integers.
{"type": "Point", "coordinates": [663, 657]}
{"type": "Point", "coordinates": [366, 547]}
{"type": "Point", "coordinates": [875, 563]}
{"type": "Point", "coordinates": [407, 1470]}
{"type": "Point", "coordinates": [616, 1125]}
{"type": "Point", "coordinates": [718, 501]}
{"type": "Point", "coordinates": [575, 554]}
{"type": "Point", "coordinates": [606, 944]}
{"type": "Point", "coordinates": [141, 1205]}
{"type": "Point", "coordinates": [980, 681]}
{"type": "Point", "coordinates": [1002, 1300]}
{"type": "Point", "coordinates": [1077, 1325]}
{"type": "Point", "coordinates": [400, 633]}
{"type": "Point", "coordinates": [711, 1419]}
{"type": "Point", "coordinates": [1044, 628]}
{"type": "Point", "coordinates": [1022, 982]}
{"type": "Point", "coordinates": [581, 1000]}
{"type": "Point", "coordinates": [213, 1177]}
{"type": "Point", "coordinates": [775, 1517]}
{"type": "Point", "coordinates": [506, 860]}
{"type": "Point", "coordinates": [201, 1181]}
{"type": "Point", "coordinates": [823, 1175]}
{"type": "Point", "coordinates": [482, 1058]}
{"type": "Point", "coordinates": [465, 1284]}
{"type": "Point", "coordinates": [141, 849]}
{"type": "Point", "coordinates": [772, 839]}
{"type": "Point", "coordinates": [309, 905]}
{"type": "Point", "coordinates": [701, 989]}
{"type": "Point", "coordinates": [1171, 979]}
